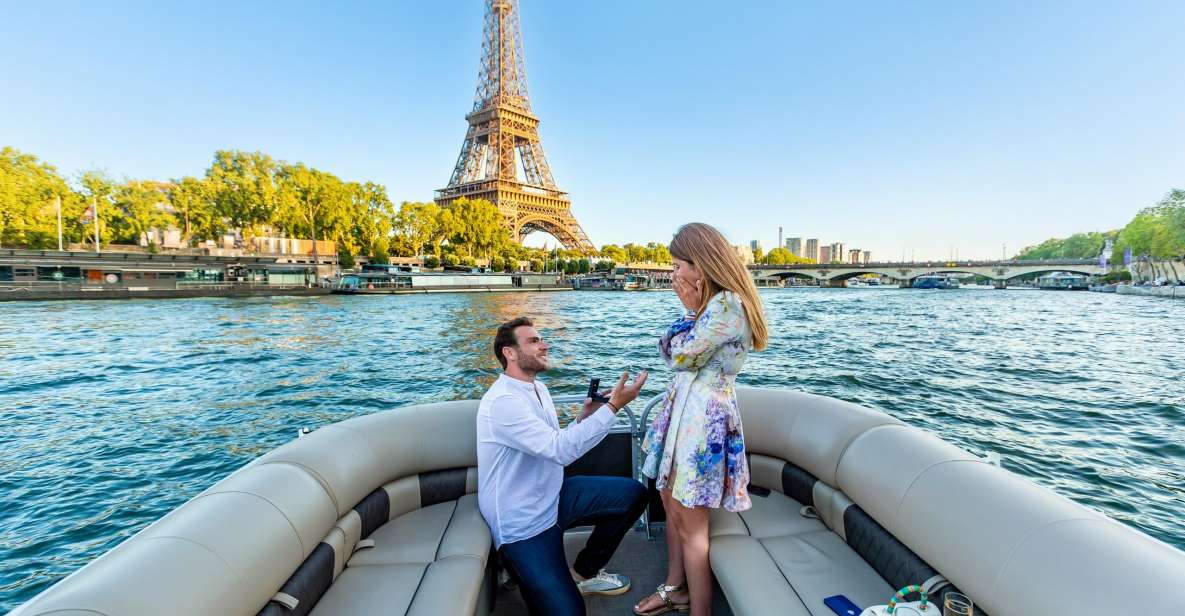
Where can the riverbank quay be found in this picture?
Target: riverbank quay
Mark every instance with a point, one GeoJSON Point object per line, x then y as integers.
{"type": "Point", "coordinates": [1170, 291]}
{"type": "Point", "coordinates": [52, 274]}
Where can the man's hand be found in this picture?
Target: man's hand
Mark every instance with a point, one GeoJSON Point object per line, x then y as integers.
{"type": "Point", "coordinates": [623, 393]}
{"type": "Point", "coordinates": [591, 407]}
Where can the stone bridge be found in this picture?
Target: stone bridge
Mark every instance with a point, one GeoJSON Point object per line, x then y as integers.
{"type": "Point", "coordinates": [837, 274]}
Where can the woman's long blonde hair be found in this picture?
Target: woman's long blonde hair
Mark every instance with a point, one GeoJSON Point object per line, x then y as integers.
{"type": "Point", "coordinates": [705, 248]}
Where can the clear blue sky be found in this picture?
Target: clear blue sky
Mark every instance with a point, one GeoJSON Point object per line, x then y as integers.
{"type": "Point", "coordinates": [892, 128]}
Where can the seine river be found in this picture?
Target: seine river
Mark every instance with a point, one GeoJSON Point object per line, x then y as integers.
{"type": "Point", "coordinates": [114, 412]}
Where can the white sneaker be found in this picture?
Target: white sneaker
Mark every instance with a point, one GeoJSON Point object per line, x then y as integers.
{"type": "Point", "coordinates": [604, 583]}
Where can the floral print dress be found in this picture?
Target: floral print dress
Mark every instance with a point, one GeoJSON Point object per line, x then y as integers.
{"type": "Point", "coordinates": [697, 434]}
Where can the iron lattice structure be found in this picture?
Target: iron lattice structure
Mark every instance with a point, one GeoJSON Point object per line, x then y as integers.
{"type": "Point", "coordinates": [502, 159]}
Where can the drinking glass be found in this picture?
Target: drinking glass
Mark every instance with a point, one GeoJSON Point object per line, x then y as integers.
{"type": "Point", "coordinates": [955, 604]}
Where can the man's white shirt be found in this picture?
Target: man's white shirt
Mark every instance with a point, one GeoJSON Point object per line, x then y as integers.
{"type": "Point", "coordinates": [521, 455]}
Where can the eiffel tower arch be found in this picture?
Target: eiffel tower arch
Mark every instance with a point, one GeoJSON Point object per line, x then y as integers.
{"type": "Point", "coordinates": [502, 158]}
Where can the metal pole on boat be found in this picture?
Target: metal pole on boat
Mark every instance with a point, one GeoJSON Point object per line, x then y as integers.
{"type": "Point", "coordinates": [58, 199]}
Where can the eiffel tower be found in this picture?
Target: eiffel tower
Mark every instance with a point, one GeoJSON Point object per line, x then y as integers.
{"type": "Point", "coordinates": [501, 159]}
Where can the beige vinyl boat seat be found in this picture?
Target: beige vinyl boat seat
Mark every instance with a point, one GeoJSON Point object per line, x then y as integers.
{"type": "Point", "coordinates": [373, 515]}
{"type": "Point", "coordinates": [897, 506]}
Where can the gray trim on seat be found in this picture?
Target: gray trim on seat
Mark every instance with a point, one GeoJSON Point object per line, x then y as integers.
{"type": "Point", "coordinates": [441, 486]}
{"type": "Point", "coordinates": [890, 558]}
{"type": "Point", "coordinates": [308, 583]}
{"type": "Point", "coordinates": [798, 484]}
{"type": "Point", "coordinates": [375, 510]}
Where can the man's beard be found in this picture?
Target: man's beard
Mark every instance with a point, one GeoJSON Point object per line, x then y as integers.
{"type": "Point", "coordinates": [532, 365]}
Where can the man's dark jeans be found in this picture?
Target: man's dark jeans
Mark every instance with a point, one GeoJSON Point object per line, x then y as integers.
{"type": "Point", "coordinates": [538, 565]}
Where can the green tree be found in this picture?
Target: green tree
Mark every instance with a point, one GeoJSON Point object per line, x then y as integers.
{"type": "Point", "coordinates": [1077, 246]}
{"type": "Point", "coordinates": [313, 204]}
{"type": "Point", "coordinates": [1157, 231]}
{"type": "Point", "coordinates": [371, 220]}
{"type": "Point", "coordinates": [420, 224]}
{"type": "Point", "coordinates": [431, 262]}
{"type": "Point", "coordinates": [585, 266]}
{"type": "Point", "coordinates": [536, 265]}
{"type": "Point", "coordinates": [478, 229]}
{"type": "Point", "coordinates": [193, 205]}
{"type": "Point", "coordinates": [244, 192]}
{"type": "Point", "coordinates": [29, 190]}
{"type": "Point", "coordinates": [779, 256]}
{"type": "Point", "coordinates": [139, 206]}
{"type": "Point", "coordinates": [614, 253]}
{"type": "Point", "coordinates": [758, 255]}
{"type": "Point", "coordinates": [98, 190]}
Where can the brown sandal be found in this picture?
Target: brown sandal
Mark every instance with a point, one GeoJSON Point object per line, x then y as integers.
{"type": "Point", "coordinates": [668, 605]}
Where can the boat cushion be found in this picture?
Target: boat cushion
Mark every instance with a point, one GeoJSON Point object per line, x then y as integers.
{"type": "Point", "coordinates": [771, 516]}
{"type": "Point", "coordinates": [430, 560]}
{"type": "Point", "coordinates": [771, 556]}
{"type": "Point", "coordinates": [452, 528]}
{"type": "Point", "coordinates": [374, 589]}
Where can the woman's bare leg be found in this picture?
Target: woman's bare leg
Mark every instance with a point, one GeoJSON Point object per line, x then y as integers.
{"type": "Point", "coordinates": [692, 526]}
{"type": "Point", "coordinates": [675, 574]}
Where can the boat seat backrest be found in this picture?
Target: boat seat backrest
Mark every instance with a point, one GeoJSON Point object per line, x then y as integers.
{"type": "Point", "coordinates": [287, 522]}
{"type": "Point", "coordinates": [810, 431]}
{"type": "Point", "coordinates": [913, 505]}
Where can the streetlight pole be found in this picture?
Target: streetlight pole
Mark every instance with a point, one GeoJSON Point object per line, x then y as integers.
{"type": "Point", "coordinates": [95, 211]}
{"type": "Point", "coordinates": [58, 199]}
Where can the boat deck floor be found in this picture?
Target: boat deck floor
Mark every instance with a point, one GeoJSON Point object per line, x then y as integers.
{"type": "Point", "coordinates": [643, 560]}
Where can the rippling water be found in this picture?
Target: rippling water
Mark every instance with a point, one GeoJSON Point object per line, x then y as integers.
{"type": "Point", "coordinates": [114, 413]}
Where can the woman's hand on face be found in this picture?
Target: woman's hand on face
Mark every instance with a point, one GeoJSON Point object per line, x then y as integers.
{"type": "Point", "coordinates": [690, 293]}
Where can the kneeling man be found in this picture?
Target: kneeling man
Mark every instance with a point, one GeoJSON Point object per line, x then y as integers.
{"type": "Point", "coordinates": [522, 493]}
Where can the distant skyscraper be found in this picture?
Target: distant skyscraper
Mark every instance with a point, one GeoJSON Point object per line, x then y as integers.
{"type": "Point", "coordinates": [812, 249]}
{"type": "Point", "coordinates": [754, 245]}
{"type": "Point", "coordinates": [836, 253]}
{"type": "Point", "coordinates": [854, 255]}
{"type": "Point", "coordinates": [779, 244]}
{"type": "Point", "coordinates": [867, 257]}
{"type": "Point", "coordinates": [824, 254]}
{"type": "Point", "coordinates": [794, 245]}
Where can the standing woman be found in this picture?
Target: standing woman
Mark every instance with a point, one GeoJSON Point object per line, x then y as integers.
{"type": "Point", "coordinates": [695, 449]}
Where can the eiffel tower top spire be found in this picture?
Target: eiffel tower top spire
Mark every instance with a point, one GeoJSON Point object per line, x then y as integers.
{"type": "Point", "coordinates": [502, 78]}
{"type": "Point", "coordinates": [502, 158]}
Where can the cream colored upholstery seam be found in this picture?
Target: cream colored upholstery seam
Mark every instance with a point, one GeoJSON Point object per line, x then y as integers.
{"type": "Point", "coordinates": [317, 476]}
{"type": "Point", "coordinates": [901, 503]}
{"type": "Point", "coordinates": [278, 510]}
{"type": "Point", "coordinates": [847, 446]}
{"type": "Point", "coordinates": [1029, 535]}
{"type": "Point", "coordinates": [70, 610]}
{"type": "Point", "coordinates": [452, 516]}
{"type": "Point", "coordinates": [782, 573]}
{"type": "Point", "coordinates": [204, 547]}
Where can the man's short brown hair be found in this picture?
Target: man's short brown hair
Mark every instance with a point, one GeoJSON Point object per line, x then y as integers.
{"type": "Point", "coordinates": [505, 337]}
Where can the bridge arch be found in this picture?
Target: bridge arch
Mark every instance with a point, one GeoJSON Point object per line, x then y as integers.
{"type": "Point", "coordinates": [1068, 270]}
{"type": "Point", "coordinates": [548, 225]}
{"type": "Point", "coordinates": [863, 272]}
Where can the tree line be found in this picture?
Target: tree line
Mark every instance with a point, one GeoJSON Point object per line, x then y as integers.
{"type": "Point", "coordinates": [1157, 231]}
{"type": "Point", "coordinates": [251, 194]}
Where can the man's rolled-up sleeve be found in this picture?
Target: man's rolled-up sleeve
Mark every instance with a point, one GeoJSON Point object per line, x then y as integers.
{"type": "Point", "coordinates": [513, 424]}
